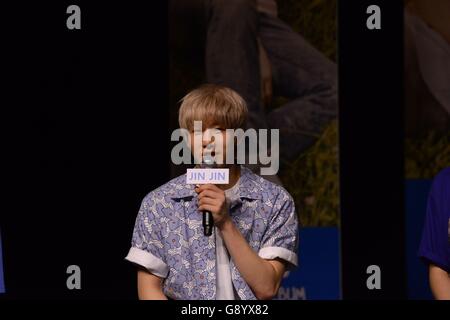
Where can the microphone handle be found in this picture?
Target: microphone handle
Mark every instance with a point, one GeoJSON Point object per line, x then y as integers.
{"type": "Point", "coordinates": [208, 223]}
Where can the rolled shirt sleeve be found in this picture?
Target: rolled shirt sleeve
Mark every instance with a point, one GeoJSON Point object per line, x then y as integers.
{"type": "Point", "coordinates": [281, 238]}
{"type": "Point", "coordinates": [147, 249]}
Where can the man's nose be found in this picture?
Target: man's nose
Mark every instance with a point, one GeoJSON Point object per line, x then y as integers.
{"type": "Point", "coordinates": [208, 142]}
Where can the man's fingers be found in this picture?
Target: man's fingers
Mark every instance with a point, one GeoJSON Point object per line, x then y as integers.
{"type": "Point", "coordinates": [209, 201]}
{"type": "Point", "coordinates": [202, 187]}
{"type": "Point", "coordinates": [207, 207]}
{"type": "Point", "coordinates": [210, 198]}
{"type": "Point", "coordinates": [210, 194]}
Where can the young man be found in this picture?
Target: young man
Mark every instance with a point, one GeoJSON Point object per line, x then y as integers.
{"type": "Point", "coordinates": [256, 229]}
{"type": "Point", "coordinates": [435, 245]}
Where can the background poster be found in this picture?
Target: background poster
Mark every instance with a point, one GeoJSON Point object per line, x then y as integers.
{"type": "Point", "coordinates": [311, 177]}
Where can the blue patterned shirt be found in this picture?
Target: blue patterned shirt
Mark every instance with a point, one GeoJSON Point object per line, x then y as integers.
{"type": "Point", "coordinates": [168, 237]}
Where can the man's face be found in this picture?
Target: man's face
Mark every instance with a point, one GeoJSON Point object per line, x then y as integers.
{"type": "Point", "coordinates": [209, 141]}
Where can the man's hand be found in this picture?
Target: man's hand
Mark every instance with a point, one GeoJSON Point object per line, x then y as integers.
{"type": "Point", "coordinates": [211, 198]}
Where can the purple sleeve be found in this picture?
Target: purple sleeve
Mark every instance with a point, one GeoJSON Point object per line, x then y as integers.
{"type": "Point", "coordinates": [435, 246]}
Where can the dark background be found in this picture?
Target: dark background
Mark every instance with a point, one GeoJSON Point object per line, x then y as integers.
{"type": "Point", "coordinates": [371, 149]}
{"type": "Point", "coordinates": [86, 135]}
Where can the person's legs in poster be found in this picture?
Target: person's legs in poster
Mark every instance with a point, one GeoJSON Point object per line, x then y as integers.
{"type": "Point", "coordinates": [232, 52]}
{"type": "Point", "coordinates": [304, 75]}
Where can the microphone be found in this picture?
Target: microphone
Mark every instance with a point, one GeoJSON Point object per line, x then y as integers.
{"type": "Point", "coordinates": [207, 172]}
{"type": "Point", "coordinates": [208, 221]}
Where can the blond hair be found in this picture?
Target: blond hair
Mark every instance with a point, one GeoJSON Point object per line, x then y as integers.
{"type": "Point", "coordinates": [213, 105]}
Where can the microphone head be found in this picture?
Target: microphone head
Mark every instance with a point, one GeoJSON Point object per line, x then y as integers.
{"type": "Point", "coordinates": [208, 162]}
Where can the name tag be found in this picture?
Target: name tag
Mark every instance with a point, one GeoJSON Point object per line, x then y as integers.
{"type": "Point", "coordinates": [205, 176]}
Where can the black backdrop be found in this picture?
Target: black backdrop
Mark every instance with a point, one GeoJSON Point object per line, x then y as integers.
{"type": "Point", "coordinates": [87, 131]}
{"type": "Point", "coordinates": [371, 149]}
{"type": "Point", "coordinates": [85, 137]}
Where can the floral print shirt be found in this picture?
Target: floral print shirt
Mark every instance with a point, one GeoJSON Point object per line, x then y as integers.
{"type": "Point", "coordinates": [168, 237]}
